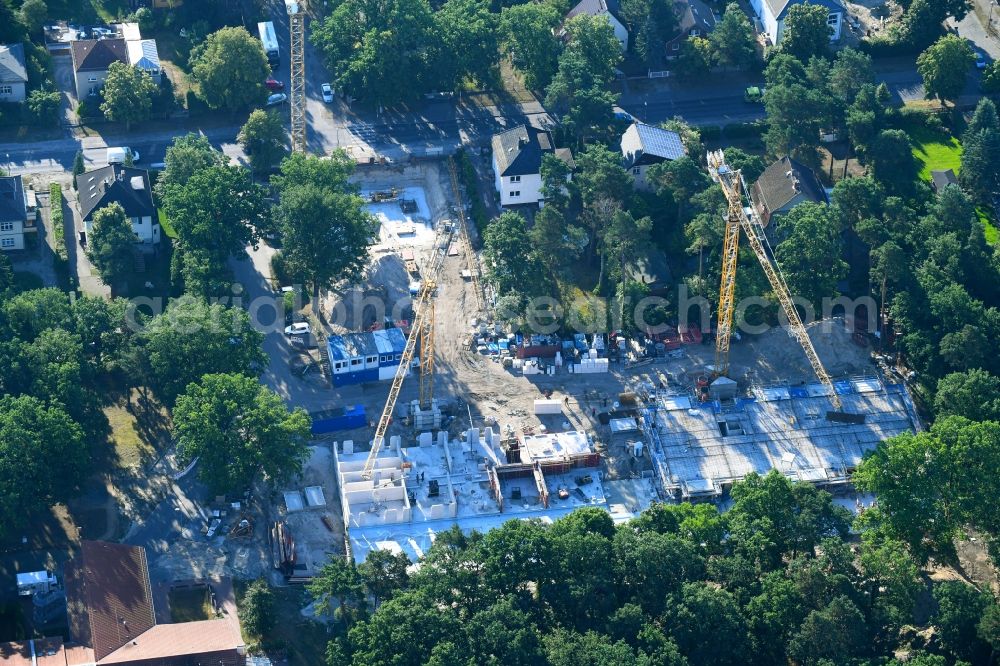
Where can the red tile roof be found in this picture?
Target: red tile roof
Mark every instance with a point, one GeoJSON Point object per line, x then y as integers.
{"type": "Point", "coordinates": [215, 641]}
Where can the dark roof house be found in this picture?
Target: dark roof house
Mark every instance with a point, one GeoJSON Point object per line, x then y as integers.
{"type": "Point", "coordinates": [12, 67]}
{"type": "Point", "coordinates": [644, 145]}
{"type": "Point", "coordinates": [116, 183]}
{"type": "Point", "coordinates": [95, 55]}
{"type": "Point", "coordinates": [694, 19]}
{"type": "Point", "coordinates": [942, 178]}
{"type": "Point", "coordinates": [12, 201]}
{"type": "Point", "coordinates": [518, 151]}
{"type": "Point", "coordinates": [783, 185]}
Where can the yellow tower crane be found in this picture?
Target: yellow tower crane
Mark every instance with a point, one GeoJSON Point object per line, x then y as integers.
{"type": "Point", "coordinates": [732, 185]}
{"type": "Point", "coordinates": [297, 77]}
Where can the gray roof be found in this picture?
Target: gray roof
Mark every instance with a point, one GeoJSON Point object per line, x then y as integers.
{"type": "Point", "coordinates": [12, 206]}
{"type": "Point", "coordinates": [645, 144]}
{"type": "Point", "coordinates": [593, 8]}
{"type": "Point", "coordinates": [694, 14]}
{"type": "Point", "coordinates": [783, 181]}
{"type": "Point", "coordinates": [518, 151]}
{"type": "Point", "coordinates": [780, 7]}
{"type": "Point", "coordinates": [12, 69]}
{"type": "Point", "coordinates": [96, 55]}
{"type": "Point", "coordinates": [127, 186]}
{"type": "Point", "coordinates": [943, 178]}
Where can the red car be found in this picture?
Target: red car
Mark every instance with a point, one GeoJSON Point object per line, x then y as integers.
{"type": "Point", "coordinates": [273, 84]}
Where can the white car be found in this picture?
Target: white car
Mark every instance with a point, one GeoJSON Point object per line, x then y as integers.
{"type": "Point", "coordinates": [276, 98]}
{"type": "Point", "coordinates": [298, 328]}
{"type": "Point", "coordinates": [118, 155]}
{"type": "Point", "coordinates": [327, 93]}
{"type": "Point", "coordinates": [980, 61]}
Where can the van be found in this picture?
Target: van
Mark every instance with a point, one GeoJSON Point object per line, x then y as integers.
{"type": "Point", "coordinates": [118, 154]}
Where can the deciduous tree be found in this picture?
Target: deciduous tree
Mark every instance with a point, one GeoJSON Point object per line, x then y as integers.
{"type": "Point", "coordinates": [230, 68]}
{"type": "Point", "coordinates": [111, 244]}
{"type": "Point", "coordinates": [732, 40]}
{"type": "Point", "coordinates": [974, 394]}
{"type": "Point", "coordinates": [809, 255]}
{"type": "Point", "coordinates": [944, 67]}
{"type": "Point", "coordinates": [239, 430]}
{"type": "Point", "coordinates": [188, 154]}
{"type": "Point", "coordinates": [128, 94]}
{"type": "Point", "coordinates": [263, 139]}
{"type": "Point", "coordinates": [806, 33]}
{"type": "Point", "coordinates": [529, 41]}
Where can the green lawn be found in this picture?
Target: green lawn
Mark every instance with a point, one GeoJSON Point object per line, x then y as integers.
{"type": "Point", "coordinates": [989, 229]}
{"type": "Point", "coordinates": [935, 152]}
{"type": "Point", "coordinates": [165, 225]}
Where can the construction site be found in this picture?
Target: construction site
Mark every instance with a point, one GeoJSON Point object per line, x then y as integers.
{"type": "Point", "coordinates": [479, 424]}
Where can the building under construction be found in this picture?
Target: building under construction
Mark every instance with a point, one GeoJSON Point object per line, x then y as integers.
{"type": "Point", "coordinates": [477, 482]}
{"type": "Point", "coordinates": [700, 448]}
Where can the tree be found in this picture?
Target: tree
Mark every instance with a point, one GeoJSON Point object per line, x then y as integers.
{"type": "Point", "coordinates": [579, 90]}
{"type": "Point", "coordinates": [944, 67]}
{"type": "Point", "coordinates": [191, 339]}
{"type": "Point", "coordinates": [78, 167]}
{"type": "Point", "coordinates": [470, 32]}
{"type": "Point", "coordinates": [6, 277]}
{"type": "Point", "coordinates": [830, 635]}
{"type": "Point", "coordinates": [257, 608]}
{"type": "Point", "coordinates": [312, 219]}
{"type": "Point", "coordinates": [796, 109]}
{"type": "Point", "coordinates": [338, 581]}
{"type": "Point", "coordinates": [44, 104]}
{"type": "Point", "coordinates": [960, 609]}
{"type": "Point", "coordinates": [28, 314]}
{"type": "Point", "coordinates": [974, 394]}
{"type": "Point", "coordinates": [865, 117]}
{"type": "Point", "coordinates": [922, 22]}
{"type": "Point", "coordinates": [809, 255]}
{"type": "Point", "coordinates": [111, 243]}
{"type": "Point", "coordinates": [128, 94]}
{"type": "Point", "coordinates": [187, 155]}
{"type": "Point", "coordinates": [217, 213]}
{"type": "Point", "coordinates": [385, 54]}
{"type": "Point", "coordinates": [301, 169]}
{"type": "Point", "coordinates": [751, 165]}
{"type": "Point", "coordinates": [980, 172]}
{"type": "Point", "coordinates": [511, 264]}
{"type": "Point", "coordinates": [263, 139]}
{"type": "Point", "coordinates": [43, 456]}
{"type": "Point", "coordinates": [892, 163]}
{"type": "Point", "coordinates": [990, 81]}
{"type": "Point", "coordinates": [239, 430]}
{"type": "Point", "coordinates": [806, 33]}
{"type": "Point", "coordinates": [698, 616]}
{"type": "Point", "coordinates": [851, 71]}
{"type": "Point", "coordinates": [384, 573]}
{"type": "Point", "coordinates": [732, 40]}
{"type": "Point", "coordinates": [34, 14]}
{"type": "Point", "coordinates": [529, 41]}
{"type": "Point", "coordinates": [695, 58]}
{"type": "Point", "coordinates": [682, 178]}
{"type": "Point", "coordinates": [230, 68]}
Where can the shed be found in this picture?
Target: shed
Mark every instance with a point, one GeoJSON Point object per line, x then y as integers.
{"type": "Point", "coordinates": [940, 179]}
{"type": "Point", "coordinates": [374, 356]}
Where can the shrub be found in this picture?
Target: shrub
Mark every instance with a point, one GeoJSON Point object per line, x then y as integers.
{"type": "Point", "coordinates": [58, 230]}
{"type": "Point", "coordinates": [467, 173]}
{"type": "Point", "coordinates": [257, 609]}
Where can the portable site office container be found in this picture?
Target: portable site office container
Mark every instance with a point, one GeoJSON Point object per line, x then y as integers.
{"type": "Point", "coordinates": [365, 357]}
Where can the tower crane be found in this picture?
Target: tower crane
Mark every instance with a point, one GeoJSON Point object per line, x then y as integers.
{"type": "Point", "coordinates": [734, 188]}
{"type": "Point", "coordinates": [297, 75]}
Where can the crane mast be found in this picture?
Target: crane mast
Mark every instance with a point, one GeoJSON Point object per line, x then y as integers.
{"type": "Point", "coordinates": [733, 187]}
{"type": "Point", "coordinates": [297, 75]}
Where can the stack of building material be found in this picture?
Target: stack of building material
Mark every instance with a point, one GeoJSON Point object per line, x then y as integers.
{"type": "Point", "coordinates": [591, 364]}
{"type": "Point", "coordinates": [531, 367]}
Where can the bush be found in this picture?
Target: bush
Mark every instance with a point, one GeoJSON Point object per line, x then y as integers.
{"type": "Point", "coordinates": [991, 79]}
{"type": "Point", "coordinates": [43, 106]}
{"type": "Point", "coordinates": [58, 230]}
{"type": "Point", "coordinates": [885, 47]}
{"type": "Point", "coordinates": [257, 609]}
{"type": "Point", "coordinates": [467, 173]}
{"type": "Point", "coordinates": [746, 130]}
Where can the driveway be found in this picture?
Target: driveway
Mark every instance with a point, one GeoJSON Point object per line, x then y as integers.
{"type": "Point", "coordinates": [87, 277]}
{"type": "Point", "coordinates": [62, 71]}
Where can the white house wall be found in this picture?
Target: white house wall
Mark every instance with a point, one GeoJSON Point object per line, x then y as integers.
{"type": "Point", "coordinates": [529, 188]}
{"type": "Point", "coordinates": [15, 95]}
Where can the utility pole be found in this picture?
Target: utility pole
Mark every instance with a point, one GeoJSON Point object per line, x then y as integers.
{"type": "Point", "coordinates": [297, 98]}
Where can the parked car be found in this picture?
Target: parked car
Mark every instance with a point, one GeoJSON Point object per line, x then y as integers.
{"type": "Point", "coordinates": [622, 114]}
{"type": "Point", "coordinates": [298, 328]}
{"type": "Point", "coordinates": [277, 98]}
{"type": "Point", "coordinates": [980, 61]}
{"type": "Point", "coordinates": [118, 155]}
{"type": "Point", "coordinates": [274, 85]}
{"type": "Point", "coordinates": [754, 95]}
{"type": "Point", "coordinates": [327, 93]}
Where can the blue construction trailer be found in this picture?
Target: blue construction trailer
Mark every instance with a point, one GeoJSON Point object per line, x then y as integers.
{"type": "Point", "coordinates": [356, 358]}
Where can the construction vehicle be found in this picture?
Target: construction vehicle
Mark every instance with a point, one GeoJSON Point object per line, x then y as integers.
{"type": "Point", "coordinates": [737, 218]}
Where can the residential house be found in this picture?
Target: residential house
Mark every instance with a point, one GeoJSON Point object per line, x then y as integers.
{"type": "Point", "coordinates": [517, 164]}
{"type": "Point", "coordinates": [128, 186]}
{"type": "Point", "coordinates": [142, 53]}
{"type": "Point", "coordinates": [772, 14]}
{"type": "Point", "coordinates": [694, 19]}
{"type": "Point", "coordinates": [91, 59]}
{"type": "Point", "coordinates": [17, 213]}
{"type": "Point", "coordinates": [941, 179]}
{"type": "Point", "coordinates": [606, 8]}
{"type": "Point", "coordinates": [111, 612]}
{"type": "Point", "coordinates": [645, 145]}
{"type": "Point", "coordinates": [783, 186]}
{"type": "Point", "coordinates": [13, 73]}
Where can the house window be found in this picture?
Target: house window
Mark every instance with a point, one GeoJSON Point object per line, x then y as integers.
{"type": "Point", "coordinates": [92, 79]}
{"type": "Point", "coordinates": [355, 361]}
{"type": "Point", "coordinates": [515, 193]}
{"type": "Point", "coordinates": [339, 365]}
{"type": "Point", "coordinates": [372, 359]}
{"type": "Point", "coordinates": [6, 242]}
{"type": "Point", "coordinates": [695, 32]}
{"type": "Point", "coordinates": [515, 179]}
{"type": "Point", "coordinates": [399, 357]}
{"type": "Point", "coordinates": [833, 19]}
{"type": "Point", "coordinates": [6, 226]}
{"type": "Point", "coordinates": [6, 90]}
{"type": "Point", "coordinates": [636, 171]}
{"type": "Point", "coordinates": [676, 46]}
